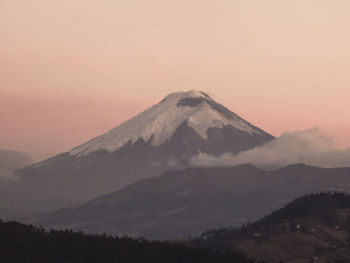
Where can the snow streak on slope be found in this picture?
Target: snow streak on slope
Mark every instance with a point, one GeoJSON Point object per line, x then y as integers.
{"type": "Point", "coordinates": [161, 121]}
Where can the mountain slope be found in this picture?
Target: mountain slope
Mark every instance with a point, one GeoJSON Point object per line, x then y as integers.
{"type": "Point", "coordinates": [313, 228]}
{"type": "Point", "coordinates": [167, 135]}
{"type": "Point", "coordinates": [159, 123]}
{"type": "Point", "coordinates": [187, 202]}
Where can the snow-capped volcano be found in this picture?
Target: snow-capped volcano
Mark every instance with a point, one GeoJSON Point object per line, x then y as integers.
{"type": "Point", "coordinates": [159, 123]}
{"type": "Point", "coordinates": [165, 136]}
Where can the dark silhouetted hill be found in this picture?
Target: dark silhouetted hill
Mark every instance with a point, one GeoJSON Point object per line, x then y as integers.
{"type": "Point", "coordinates": [25, 244]}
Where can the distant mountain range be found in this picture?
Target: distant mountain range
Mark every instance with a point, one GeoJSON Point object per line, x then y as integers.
{"type": "Point", "coordinates": [12, 160]}
{"type": "Point", "coordinates": [164, 137]}
{"type": "Point", "coordinates": [190, 201]}
{"type": "Point", "coordinates": [9, 162]}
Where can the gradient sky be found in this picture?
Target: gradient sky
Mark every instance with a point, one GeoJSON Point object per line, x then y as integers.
{"type": "Point", "coordinates": [73, 69]}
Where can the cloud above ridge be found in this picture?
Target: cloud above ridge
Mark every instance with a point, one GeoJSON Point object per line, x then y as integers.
{"type": "Point", "coordinates": [310, 146]}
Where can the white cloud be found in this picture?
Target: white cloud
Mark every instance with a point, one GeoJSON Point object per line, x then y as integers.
{"type": "Point", "coordinates": [310, 147]}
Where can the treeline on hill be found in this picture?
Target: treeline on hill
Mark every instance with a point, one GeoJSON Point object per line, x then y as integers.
{"type": "Point", "coordinates": [29, 244]}
{"type": "Point", "coordinates": [317, 206]}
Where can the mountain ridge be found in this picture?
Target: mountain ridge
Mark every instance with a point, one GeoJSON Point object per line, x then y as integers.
{"type": "Point", "coordinates": [187, 202]}
{"type": "Point", "coordinates": [165, 136]}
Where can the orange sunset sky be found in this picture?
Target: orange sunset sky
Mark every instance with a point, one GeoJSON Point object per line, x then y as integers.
{"type": "Point", "coordinates": [73, 69]}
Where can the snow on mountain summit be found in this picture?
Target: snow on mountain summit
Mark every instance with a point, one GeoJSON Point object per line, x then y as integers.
{"type": "Point", "coordinates": [183, 95]}
{"type": "Point", "coordinates": [159, 122]}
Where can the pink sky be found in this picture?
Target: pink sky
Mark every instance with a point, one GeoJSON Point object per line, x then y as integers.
{"type": "Point", "coordinates": [71, 70]}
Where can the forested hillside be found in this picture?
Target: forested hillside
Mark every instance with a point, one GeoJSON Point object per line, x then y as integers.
{"type": "Point", "coordinates": [315, 227]}
{"type": "Point", "coordinates": [25, 243]}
